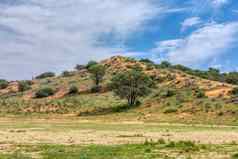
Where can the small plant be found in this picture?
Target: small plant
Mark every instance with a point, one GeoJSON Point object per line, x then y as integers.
{"type": "Point", "coordinates": [3, 84]}
{"type": "Point", "coordinates": [73, 90]}
{"type": "Point", "coordinates": [44, 92]}
{"type": "Point", "coordinates": [161, 141]}
{"type": "Point", "coordinates": [186, 146]}
{"type": "Point", "coordinates": [45, 75]}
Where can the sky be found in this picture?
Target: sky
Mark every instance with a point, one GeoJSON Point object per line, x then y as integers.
{"type": "Point", "coordinates": [54, 35]}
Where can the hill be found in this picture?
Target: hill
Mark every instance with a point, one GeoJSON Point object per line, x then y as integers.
{"type": "Point", "coordinates": [177, 96]}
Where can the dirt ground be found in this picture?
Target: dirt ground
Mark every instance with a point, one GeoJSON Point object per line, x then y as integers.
{"type": "Point", "coordinates": [99, 132]}
{"type": "Point", "coordinates": [28, 136]}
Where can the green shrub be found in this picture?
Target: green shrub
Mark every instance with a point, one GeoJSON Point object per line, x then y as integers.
{"type": "Point", "coordinates": [24, 86]}
{"type": "Point", "coordinates": [147, 61]}
{"type": "Point", "coordinates": [3, 84]}
{"type": "Point", "coordinates": [44, 92]}
{"type": "Point", "coordinates": [73, 90]}
{"type": "Point", "coordinates": [168, 93]}
{"type": "Point", "coordinates": [67, 74]}
{"type": "Point", "coordinates": [95, 89]}
{"type": "Point", "coordinates": [79, 67]}
{"type": "Point", "coordinates": [161, 141]}
{"type": "Point", "coordinates": [186, 146]}
{"type": "Point", "coordinates": [200, 93]}
{"type": "Point", "coordinates": [45, 75]}
{"type": "Point", "coordinates": [235, 91]}
{"type": "Point", "coordinates": [235, 156]}
{"type": "Point", "coordinates": [165, 64]}
{"type": "Point", "coordinates": [90, 64]}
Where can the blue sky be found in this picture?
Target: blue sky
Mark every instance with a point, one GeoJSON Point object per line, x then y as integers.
{"type": "Point", "coordinates": [55, 35]}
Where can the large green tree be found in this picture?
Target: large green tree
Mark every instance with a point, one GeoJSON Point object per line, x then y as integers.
{"type": "Point", "coordinates": [97, 73]}
{"type": "Point", "coordinates": [131, 85]}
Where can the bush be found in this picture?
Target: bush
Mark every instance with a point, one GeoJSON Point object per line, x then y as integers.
{"type": "Point", "coordinates": [168, 93]}
{"type": "Point", "coordinates": [235, 156]}
{"type": "Point", "coordinates": [95, 89]}
{"type": "Point", "coordinates": [149, 64]}
{"type": "Point", "coordinates": [45, 75]}
{"type": "Point", "coordinates": [3, 84]}
{"type": "Point", "coordinates": [44, 92]}
{"type": "Point", "coordinates": [79, 67]}
{"type": "Point", "coordinates": [73, 90]}
{"type": "Point", "coordinates": [67, 74]}
{"type": "Point", "coordinates": [200, 93]}
{"type": "Point", "coordinates": [146, 61]}
{"type": "Point", "coordinates": [186, 146]}
{"type": "Point", "coordinates": [24, 86]}
{"type": "Point", "coordinates": [165, 64]}
{"type": "Point", "coordinates": [235, 91]}
{"type": "Point", "coordinates": [90, 64]}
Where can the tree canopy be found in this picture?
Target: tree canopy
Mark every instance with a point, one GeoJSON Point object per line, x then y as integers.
{"type": "Point", "coordinates": [97, 73]}
{"type": "Point", "coordinates": [131, 85]}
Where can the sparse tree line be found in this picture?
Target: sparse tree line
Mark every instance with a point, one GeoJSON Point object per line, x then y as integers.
{"type": "Point", "coordinates": [210, 74]}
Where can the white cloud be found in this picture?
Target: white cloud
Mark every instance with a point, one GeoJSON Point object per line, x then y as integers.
{"type": "Point", "coordinates": [189, 22]}
{"type": "Point", "coordinates": [56, 34]}
{"type": "Point", "coordinates": [203, 45]}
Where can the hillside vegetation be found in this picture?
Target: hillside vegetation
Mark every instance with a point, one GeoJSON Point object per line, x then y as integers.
{"type": "Point", "coordinates": [178, 94]}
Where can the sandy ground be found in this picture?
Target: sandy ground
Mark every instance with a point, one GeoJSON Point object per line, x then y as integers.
{"type": "Point", "coordinates": [111, 137]}
{"type": "Point", "coordinates": [47, 134]}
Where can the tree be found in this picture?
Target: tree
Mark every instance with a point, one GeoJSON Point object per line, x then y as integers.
{"type": "Point", "coordinates": [231, 77]}
{"type": "Point", "coordinates": [90, 64]}
{"type": "Point", "coordinates": [97, 73]}
{"type": "Point", "coordinates": [79, 67]}
{"type": "Point", "coordinates": [44, 92]}
{"type": "Point", "coordinates": [3, 84]}
{"type": "Point", "coordinates": [131, 85]}
{"type": "Point", "coordinates": [73, 90]}
{"type": "Point", "coordinates": [45, 75]}
{"type": "Point", "coordinates": [234, 91]}
{"type": "Point", "coordinates": [165, 64]}
{"type": "Point", "coordinates": [67, 74]}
